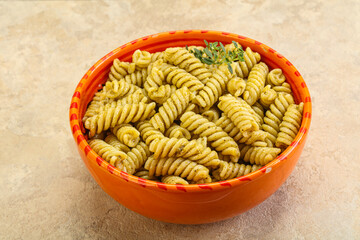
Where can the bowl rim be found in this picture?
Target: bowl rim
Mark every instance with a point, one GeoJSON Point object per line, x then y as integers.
{"type": "Point", "coordinates": [77, 126]}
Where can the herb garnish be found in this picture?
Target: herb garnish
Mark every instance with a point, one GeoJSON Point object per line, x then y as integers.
{"type": "Point", "coordinates": [215, 53]}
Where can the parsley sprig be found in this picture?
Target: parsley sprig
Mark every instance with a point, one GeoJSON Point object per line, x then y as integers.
{"type": "Point", "coordinates": [215, 54]}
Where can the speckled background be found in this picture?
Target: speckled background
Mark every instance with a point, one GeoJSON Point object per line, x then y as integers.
{"type": "Point", "coordinates": [46, 47]}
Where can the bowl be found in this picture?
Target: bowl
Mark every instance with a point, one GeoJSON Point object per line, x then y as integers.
{"type": "Point", "coordinates": [195, 203]}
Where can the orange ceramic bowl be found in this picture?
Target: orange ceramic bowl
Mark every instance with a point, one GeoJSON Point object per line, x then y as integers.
{"type": "Point", "coordinates": [196, 203]}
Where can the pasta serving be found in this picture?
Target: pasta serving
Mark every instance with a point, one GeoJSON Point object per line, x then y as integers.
{"type": "Point", "coordinates": [174, 117]}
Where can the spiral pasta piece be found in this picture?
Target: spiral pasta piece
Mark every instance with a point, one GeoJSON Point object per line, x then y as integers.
{"type": "Point", "coordinates": [219, 139]}
{"type": "Point", "coordinates": [114, 114]}
{"type": "Point", "coordinates": [99, 100]}
{"type": "Point", "coordinates": [259, 112]}
{"type": "Point", "coordinates": [229, 170]}
{"type": "Point", "coordinates": [133, 98]}
{"type": "Point", "coordinates": [107, 152]}
{"type": "Point", "coordinates": [202, 181]}
{"type": "Point", "coordinates": [143, 173]}
{"type": "Point", "coordinates": [135, 158]}
{"type": "Point", "coordinates": [148, 132]}
{"type": "Point", "coordinates": [157, 56]}
{"type": "Point", "coordinates": [94, 108]}
{"type": "Point", "coordinates": [173, 147]}
{"type": "Point", "coordinates": [207, 158]}
{"type": "Point", "coordinates": [174, 180]}
{"type": "Point", "coordinates": [258, 155]}
{"type": "Point", "coordinates": [192, 107]}
{"type": "Point", "coordinates": [267, 96]}
{"type": "Point", "coordinates": [242, 69]}
{"type": "Point", "coordinates": [100, 95]}
{"type": "Point", "coordinates": [120, 69]}
{"type": "Point", "coordinates": [229, 127]}
{"type": "Point", "coordinates": [175, 131]}
{"type": "Point", "coordinates": [274, 116]}
{"type": "Point", "coordinates": [137, 78]}
{"type": "Point", "coordinates": [275, 77]}
{"type": "Point", "coordinates": [141, 58]}
{"type": "Point", "coordinates": [212, 114]}
{"type": "Point", "coordinates": [177, 167]}
{"type": "Point", "coordinates": [113, 141]}
{"type": "Point", "coordinates": [180, 78]}
{"type": "Point", "coordinates": [126, 134]}
{"type": "Point", "coordinates": [117, 89]}
{"type": "Point", "coordinates": [155, 78]}
{"type": "Point", "coordinates": [238, 111]}
{"type": "Point", "coordinates": [283, 88]}
{"type": "Point", "coordinates": [255, 83]}
{"type": "Point", "coordinates": [236, 86]}
{"type": "Point", "coordinates": [290, 125]}
{"type": "Point", "coordinates": [230, 47]}
{"type": "Point", "coordinates": [161, 94]}
{"type": "Point", "coordinates": [214, 87]}
{"type": "Point", "coordinates": [183, 59]}
{"type": "Point", "coordinates": [225, 158]}
{"type": "Point", "coordinates": [171, 109]}
{"type": "Point", "coordinates": [154, 84]}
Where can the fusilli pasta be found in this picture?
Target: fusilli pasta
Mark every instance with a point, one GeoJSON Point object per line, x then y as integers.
{"type": "Point", "coordinates": [135, 158]}
{"type": "Point", "coordinates": [258, 155]}
{"type": "Point", "coordinates": [214, 87]}
{"type": "Point", "coordinates": [107, 152]}
{"type": "Point", "coordinates": [141, 58]}
{"type": "Point", "coordinates": [259, 112]}
{"type": "Point", "coordinates": [219, 139]}
{"type": "Point", "coordinates": [156, 56]}
{"type": "Point", "coordinates": [126, 134]}
{"type": "Point", "coordinates": [290, 125]}
{"type": "Point", "coordinates": [177, 167]}
{"type": "Point", "coordinates": [274, 116]}
{"type": "Point", "coordinates": [114, 114]}
{"type": "Point", "coordinates": [242, 69]}
{"type": "Point", "coordinates": [236, 86]}
{"type": "Point", "coordinates": [267, 96]}
{"type": "Point", "coordinates": [119, 88]}
{"type": "Point", "coordinates": [183, 59]}
{"type": "Point", "coordinates": [275, 77]}
{"type": "Point", "coordinates": [113, 141]}
{"type": "Point", "coordinates": [148, 132]}
{"type": "Point", "coordinates": [137, 78]}
{"type": "Point", "coordinates": [173, 147]}
{"type": "Point", "coordinates": [229, 127]}
{"type": "Point", "coordinates": [180, 78]}
{"type": "Point", "coordinates": [175, 131]}
{"type": "Point", "coordinates": [174, 180]}
{"type": "Point", "coordinates": [143, 173]}
{"type": "Point", "coordinates": [229, 170]}
{"type": "Point", "coordinates": [238, 111]}
{"type": "Point", "coordinates": [212, 114]}
{"type": "Point", "coordinates": [133, 98]}
{"type": "Point", "coordinates": [171, 109]}
{"type": "Point", "coordinates": [120, 69]}
{"type": "Point", "coordinates": [283, 88]}
{"type": "Point", "coordinates": [255, 83]}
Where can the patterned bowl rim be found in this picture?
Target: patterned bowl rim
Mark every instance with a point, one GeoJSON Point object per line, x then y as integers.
{"type": "Point", "coordinates": [77, 127]}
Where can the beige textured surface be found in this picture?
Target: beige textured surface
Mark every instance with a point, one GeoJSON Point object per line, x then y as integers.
{"type": "Point", "coordinates": [46, 47]}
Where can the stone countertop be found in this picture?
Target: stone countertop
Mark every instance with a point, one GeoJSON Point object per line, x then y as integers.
{"type": "Point", "coordinates": [47, 46]}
